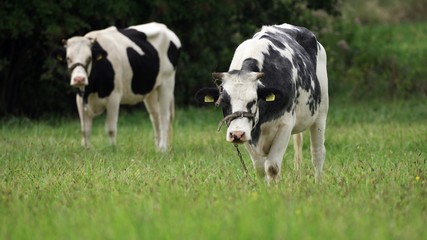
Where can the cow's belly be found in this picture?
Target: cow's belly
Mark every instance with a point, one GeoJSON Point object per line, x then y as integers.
{"type": "Point", "coordinates": [96, 105]}
{"type": "Point", "coordinates": [128, 96]}
{"type": "Point", "coordinates": [304, 118]}
{"type": "Point", "coordinates": [124, 89]}
{"type": "Point", "coordinates": [131, 99]}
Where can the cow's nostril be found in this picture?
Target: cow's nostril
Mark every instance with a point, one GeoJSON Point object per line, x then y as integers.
{"type": "Point", "coordinates": [79, 80]}
{"type": "Point", "coordinates": [237, 135]}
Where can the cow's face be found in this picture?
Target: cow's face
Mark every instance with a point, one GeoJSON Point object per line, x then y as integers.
{"type": "Point", "coordinates": [79, 60]}
{"type": "Point", "coordinates": [238, 95]}
{"type": "Point", "coordinates": [77, 54]}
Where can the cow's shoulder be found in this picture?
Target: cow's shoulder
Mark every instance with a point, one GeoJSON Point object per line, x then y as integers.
{"type": "Point", "coordinates": [304, 37]}
{"type": "Point", "coordinates": [299, 39]}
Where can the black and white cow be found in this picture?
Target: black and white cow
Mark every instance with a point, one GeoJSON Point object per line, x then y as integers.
{"type": "Point", "coordinates": [276, 86]}
{"type": "Point", "coordinates": [124, 66]}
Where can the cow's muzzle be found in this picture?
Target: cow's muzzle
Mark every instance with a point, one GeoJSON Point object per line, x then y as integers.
{"type": "Point", "coordinates": [227, 120]}
{"type": "Point", "coordinates": [78, 80]}
{"type": "Point", "coordinates": [74, 65]}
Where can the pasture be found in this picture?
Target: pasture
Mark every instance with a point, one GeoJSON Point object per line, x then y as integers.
{"type": "Point", "coordinates": [374, 185]}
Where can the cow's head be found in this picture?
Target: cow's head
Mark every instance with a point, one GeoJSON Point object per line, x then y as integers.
{"type": "Point", "coordinates": [79, 54]}
{"type": "Point", "coordinates": [239, 95]}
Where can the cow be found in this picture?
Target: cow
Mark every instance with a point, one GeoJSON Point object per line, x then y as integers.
{"type": "Point", "coordinates": [114, 66]}
{"type": "Point", "coordinates": [276, 86]}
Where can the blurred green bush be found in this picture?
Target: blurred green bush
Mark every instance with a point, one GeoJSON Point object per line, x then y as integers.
{"type": "Point", "coordinates": [377, 50]}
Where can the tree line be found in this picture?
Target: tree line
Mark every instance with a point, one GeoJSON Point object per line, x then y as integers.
{"type": "Point", "coordinates": [33, 84]}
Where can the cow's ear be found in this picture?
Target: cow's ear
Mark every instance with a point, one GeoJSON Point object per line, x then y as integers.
{"type": "Point", "coordinates": [98, 54]}
{"type": "Point", "coordinates": [59, 54]}
{"type": "Point", "coordinates": [207, 95]}
{"type": "Point", "coordinates": [92, 41]}
{"type": "Point", "coordinates": [268, 94]}
{"type": "Point", "coordinates": [217, 76]}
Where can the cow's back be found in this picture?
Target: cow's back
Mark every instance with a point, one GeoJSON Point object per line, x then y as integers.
{"type": "Point", "coordinates": [138, 55]}
{"type": "Point", "coordinates": [164, 40]}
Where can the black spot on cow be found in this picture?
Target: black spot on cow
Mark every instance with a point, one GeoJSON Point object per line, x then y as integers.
{"type": "Point", "coordinates": [236, 72]}
{"type": "Point", "coordinates": [308, 41]}
{"type": "Point", "coordinates": [306, 76]}
{"type": "Point", "coordinates": [277, 75]}
{"type": "Point", "coordinates": [145, 67]}
{"type": "Point", "coordinates": [173, 54]}
{"type": "Point", "coordinates": [225, 103]}
{"type": "Point", "coordinates": [277, 40]}
{"type": "Point", "coordinates": [250, 65]}
{"type": "Point", "coordinates": [250, 105]}
{"type": "Point", "coordinates": [101, 78]}
{"type": "Point", "coordinates": [305, 38]}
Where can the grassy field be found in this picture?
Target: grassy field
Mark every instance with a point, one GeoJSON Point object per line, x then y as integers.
{"type": "Point", "coordinates": [375, 183]}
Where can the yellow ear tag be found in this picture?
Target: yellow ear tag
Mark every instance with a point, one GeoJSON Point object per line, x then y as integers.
{"type": "Point", "coordinates": [59, 58]}
{"type": "Point", "coordinates": [270, 98]}
{"type": "Point", "coordinates": [99, 57]}
{"type": "Point", "coordinates": [208, 99]}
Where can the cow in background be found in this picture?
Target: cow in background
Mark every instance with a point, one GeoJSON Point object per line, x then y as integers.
{"type": "Point", "coordinates": [124, 66]}
{"type": "Point", "coordinates": [276, 86]}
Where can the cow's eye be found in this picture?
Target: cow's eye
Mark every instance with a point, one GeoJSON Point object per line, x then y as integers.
{"type": "Point", "coordinates": [250, 105]}
{"type": "Point", "coordinates": [68, 59]}
{"type": "Point", "coordinates": [89, 59]}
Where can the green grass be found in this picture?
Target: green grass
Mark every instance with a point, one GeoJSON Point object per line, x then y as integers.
{"type": "Point", "coordinates": [375, 183]}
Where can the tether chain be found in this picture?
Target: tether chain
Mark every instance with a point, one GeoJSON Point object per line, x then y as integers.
{"type": "Point", "coordinates": [241, 158]}
{"type": "Point", "coordinates": [81, 92]}
{"type": "Point", "coordinates": [229, 118]}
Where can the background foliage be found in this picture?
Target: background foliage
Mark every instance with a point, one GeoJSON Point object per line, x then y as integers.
{"type": "Point", "coordinates": [32, 84]}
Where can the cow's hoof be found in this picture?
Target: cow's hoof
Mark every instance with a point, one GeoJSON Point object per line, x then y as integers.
{"type": "Point", "coordinates": [272, 172]}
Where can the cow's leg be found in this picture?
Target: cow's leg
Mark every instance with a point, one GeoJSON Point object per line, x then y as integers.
{"type": "Point", "coordinates": [257, 161]}
{"type": "Point", "coordinates": [85, 121]}
{"type": "Point", "coordinates": [317, 142]}
{"type": "Point", "coordinates": [167, 108]}
{"type": "Point", "coordinates": [297, 151]}
{"type": "Point", "coordinates": [152, 104]}
{"type": "Point", "coordinates": [274, 159]}
{"type": "Point", "coordinates": [113, 109]}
